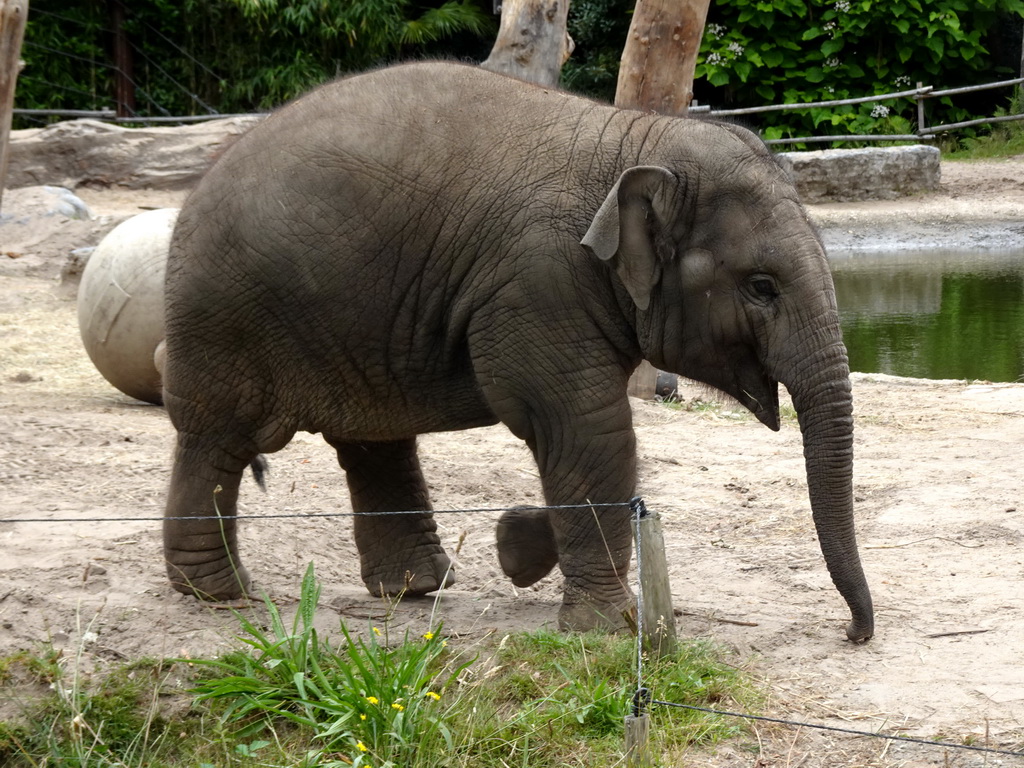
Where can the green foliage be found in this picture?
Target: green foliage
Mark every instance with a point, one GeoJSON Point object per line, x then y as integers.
{"type": "Point", "coordinates": [757, 53]}
{"type": "Point", "coordinates": [598, 27]}
{"type": "Point", "coordinates": [65, 57]}
{"type": "Point", "coordinates": [817, 50]}
{"type": "Point", "coordinates": [204, 56]}
{"type": "Point", "coordinates": [350, 35]}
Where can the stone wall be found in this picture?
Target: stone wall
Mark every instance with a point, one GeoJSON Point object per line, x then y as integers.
{"type": "Point", "coordinates": [94, 153]}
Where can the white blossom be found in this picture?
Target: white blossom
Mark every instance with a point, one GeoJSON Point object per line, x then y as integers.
{"type": "Point", "coordinates": [717, 31]}
{"type": "Point", "coordinates": [832, 63]}
{"type": "Point", "coordinates": [736, 48]}
{"type": "Point", "coordinates": [880, 110]}
{"type": "Point", "coordinates": [842, 6]}
{"type": "Point", "coordinates": [713, 58]}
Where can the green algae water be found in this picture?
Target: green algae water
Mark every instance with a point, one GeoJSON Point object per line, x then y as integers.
{"type": "Point", "coordinates": [934, 314]}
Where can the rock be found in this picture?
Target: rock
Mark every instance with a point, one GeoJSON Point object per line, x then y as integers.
{"type": "Point", "coordinates": [92, 152]}
{"type": "Point", "coordinates": [43, 201]}
{"type": "Point", "coordinates": [876, 173]}
{"type": "Point", "coordinates": [71, 272]}
{"type": "Point", "coordinates": [39, 228]}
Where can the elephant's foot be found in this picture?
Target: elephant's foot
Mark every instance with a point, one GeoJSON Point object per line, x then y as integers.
{"type": "Point", "coordinates": [408, 573]}
{"type": "Point", "coordinates": [526, 545]}
{"type": "Point", "coordinates": [206, 583]}
{"type": "Point", "coordinates": [588, 613]}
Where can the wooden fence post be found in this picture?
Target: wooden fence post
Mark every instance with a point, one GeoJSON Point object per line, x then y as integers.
{"type": "Point", "coordinates": [638, 729]}
{"type": "Point", "coordinates": [657, 617]}
{"type": "Point", "coordinates": [13, 14]}
{"type": "Point", "coordinates": [919, 98]}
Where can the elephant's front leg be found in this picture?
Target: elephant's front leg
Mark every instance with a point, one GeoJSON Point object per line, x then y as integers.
{"type": "Point", "coordinates": [399, 554]}
{"type": "Point", "coordinates": [594, 542]}
{"type": "Point", "coordinates": [590, 462]}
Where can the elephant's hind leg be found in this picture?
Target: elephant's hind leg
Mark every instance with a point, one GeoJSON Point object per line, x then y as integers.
{"type": "Point", "coordinates": [200, 529]}
{"type": "Point", "coordinates": [398, 553]}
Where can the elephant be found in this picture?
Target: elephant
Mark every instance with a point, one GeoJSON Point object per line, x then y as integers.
{"type": "Point", "coordinates": [432, 247]}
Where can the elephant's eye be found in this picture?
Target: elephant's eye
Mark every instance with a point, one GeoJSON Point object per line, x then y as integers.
{"type": "Point", "coordinates": [762, 288]}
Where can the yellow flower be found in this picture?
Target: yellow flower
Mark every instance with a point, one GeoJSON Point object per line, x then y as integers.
{"type": "Point", "coordinates": [434, 696]}
{"type": "Point", "coordinates": [376, 631]}
{"type": "Point", "coordinates": [362, 717]}
{"type": "Point", "coordinates": [373, 699]}
{"type": "Point", "coordinates": [397, 706]}
{"type": "Point", "coordinates": [428, 636]}
{"type": "Point", "coordinates": [362, 747]}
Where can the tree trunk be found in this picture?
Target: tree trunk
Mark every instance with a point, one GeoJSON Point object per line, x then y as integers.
{"type": "Point", "coordinates": [124, 74]}
{"type": "Point", "coordinates": [656, 75]}
{"type": "Point", "coordinates": [13, 15]}
{"type": "Point", "coordinates": [533, 42]}
{"type": "Point", "coordinates": [658, 60]}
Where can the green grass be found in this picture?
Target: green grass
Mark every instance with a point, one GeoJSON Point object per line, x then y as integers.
{"type": "Point", "coordinates": [1003, 140]}
{"type": "Point", "coordinates": [287, 697]}
{"type": "Point", "coordinates": [732, 411]}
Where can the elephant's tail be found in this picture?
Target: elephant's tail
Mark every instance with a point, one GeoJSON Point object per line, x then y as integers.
{"type": "Point", "coordinates": [260, 467]}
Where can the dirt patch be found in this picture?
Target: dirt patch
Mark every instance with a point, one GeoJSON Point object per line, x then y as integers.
{"type": "Point", "coordinates": [939, 505]}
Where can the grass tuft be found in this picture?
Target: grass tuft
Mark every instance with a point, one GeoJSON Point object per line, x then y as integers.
{"type": "Point", "coordinates": [285, 696]}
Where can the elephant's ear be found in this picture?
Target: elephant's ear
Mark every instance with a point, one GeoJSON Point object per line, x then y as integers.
{"type": "Point", "coordinates": [624, 228]}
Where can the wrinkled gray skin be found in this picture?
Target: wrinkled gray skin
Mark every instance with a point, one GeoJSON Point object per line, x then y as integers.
{"type": "Point", "coordinates": [436, 247]}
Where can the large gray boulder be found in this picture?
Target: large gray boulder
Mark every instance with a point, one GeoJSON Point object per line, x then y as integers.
{"type": "Point", "coordinates": [79, 152]}
{"type": "Point", "coordinates": [875, 173]}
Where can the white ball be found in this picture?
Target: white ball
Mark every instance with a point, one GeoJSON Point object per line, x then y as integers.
{"type": "Point", "coordinates": [121, 302]}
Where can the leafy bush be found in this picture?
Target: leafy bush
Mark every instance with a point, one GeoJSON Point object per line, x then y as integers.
{"type": "Point", "coordinates": [598, 27]}
{"type": "Point", "coordinates": [791, 51]}
{"type": "Point", "coordinates": [201, 56]}
{"type": "Point", "coordinates": [758, 53]}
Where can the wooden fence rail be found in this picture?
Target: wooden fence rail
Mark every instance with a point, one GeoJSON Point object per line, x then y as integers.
{"type": "Point", "coordinates": [920, 94]}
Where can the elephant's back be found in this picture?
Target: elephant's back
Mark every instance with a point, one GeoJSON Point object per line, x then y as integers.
{"type": "Point", "coordinates": [432, 115]}
{"type": "Point", "coordinates": [391, 159]}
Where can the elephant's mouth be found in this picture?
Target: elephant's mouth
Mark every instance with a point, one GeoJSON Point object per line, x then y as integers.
{"type": "Point", "coordinates": [762, 401]}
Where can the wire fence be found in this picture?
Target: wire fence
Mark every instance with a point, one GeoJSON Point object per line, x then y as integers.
{"type": "Point", "coordinates": [920, 95]}
{"type": "Point", "coordinates": [642, 700]}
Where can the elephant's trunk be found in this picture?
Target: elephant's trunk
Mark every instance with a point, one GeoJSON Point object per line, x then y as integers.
{"type": "Point", "coordinates": [823, 400]}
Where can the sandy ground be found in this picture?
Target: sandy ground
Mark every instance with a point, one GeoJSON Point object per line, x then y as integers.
{"type": "Point", "coordinates": [938, 491]}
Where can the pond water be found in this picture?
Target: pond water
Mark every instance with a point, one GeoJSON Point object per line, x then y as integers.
{"type": "Point", "coordinates": [934, 314]}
